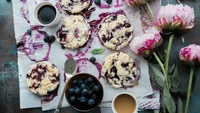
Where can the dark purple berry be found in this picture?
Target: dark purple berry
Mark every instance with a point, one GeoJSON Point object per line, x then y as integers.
{"type": "Point", "coordinates": [124, 64]}
{"type": "Point", "coordinates": [49, 39]}
{"type": "Point", "coordinates": [90, 79]}
{"type": "Point", "coordinates": [91, 102]}
{"type": "Point", "coordinates": [114, 17]}
{"type": "Point", "coordinates": [114, 69]}
{"type": "Point", "coordinates": [127, 25]}
{"type": "Point", "coordinates": [91, 85]}
{"type": "Point", "coordinates": [72, 99]}
{"type": "Point", "coordinates": [96, 88]}
{"type": "Point", "coordinates": [94, 96]}
{"type": "Point", "coordinates": [71, 91]}
{"type": "Point", "coordinates": [92, 59]}
{"type": "Point", "coordinates": [80, 82]}
{"type": "Point", "coordinates": [104, 38]}
{"type": "Point", "coordinates": [29, 32]}
{"type": "Point", "coordinates": [77, 91]}
{"type": "Point", "coordinates": [90, 92]}
{"type": "Point", "coordinates": [82, 99]}
{"type": "Point", "coordinates": [52, 39]}
{"type": "Point", "coordinates": [83, 86]}
{"type": "Point", "coordinates": [128, 34]}
{"type": "Point", "coordinates": [74, 82]}
{"type": "Point", "coordinates": [46, 39]}
{"type": "Point", "coordinates": [108, 1]}
{"type": "Point", "coordinates": [84, 92]}
{"type": "Point", "coordinates": [97, 2]}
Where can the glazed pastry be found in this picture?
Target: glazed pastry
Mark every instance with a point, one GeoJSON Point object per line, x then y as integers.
{"type": "Point", "coordinates": [74, 6]}
{"type": "Point", "coordinates": [120, 70]}
{"type": "Point", "coordinates": [43, 78]}
{"type": "Point", "coordinates": [115, 31]}
{"type": "Point", "coordinates": [74, 32]}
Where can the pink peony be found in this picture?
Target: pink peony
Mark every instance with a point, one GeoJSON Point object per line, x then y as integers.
{"type": "Point", "coordinates": [136, 2]}
{"type": "Point", "coordinates": [147, 42]}
{"type": "Point", "coordinates": [175, 17]}
{"type": "Point", "coordinates": [190, 54]}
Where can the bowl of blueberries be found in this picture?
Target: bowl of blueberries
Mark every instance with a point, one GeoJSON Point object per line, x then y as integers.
{"type": "Point", "coordinates": [84, 92]}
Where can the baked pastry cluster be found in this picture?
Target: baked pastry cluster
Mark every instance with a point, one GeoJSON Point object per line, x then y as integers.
{"type": "Point", "coordinates": [74, 32]}
{"type": "Point", "coordinates": [115, 31]}
{"type": "Point", "coordinates": [74, 6]}
{"type": "Point", "coordinates": [120, 70]}
{"type": "Point", "coordinates": [43, 78]}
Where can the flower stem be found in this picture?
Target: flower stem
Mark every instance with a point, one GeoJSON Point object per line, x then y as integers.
{"type": "Point", "coordinates": [150, 11]}
{"type": "Point", "coordinates": [189, 88]}
{"type": "Point", "coordinates": [162, 66]}
{"type": "Point", "coordinates": [165, 75]}
{"type": "Point", "coordinates": [168, 54]}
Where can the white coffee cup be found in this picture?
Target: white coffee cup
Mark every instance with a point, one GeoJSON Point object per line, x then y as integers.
{"type": "Point", "coordinates": [124, 98]}
{"type": "Point", "coordinates": [40, 5]}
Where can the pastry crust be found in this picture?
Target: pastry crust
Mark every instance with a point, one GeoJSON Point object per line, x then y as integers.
{"type": "Point", "coordinates": [43, 78]}
{"type": "Point", "coordinates": [119, 70]}
{"type": "Point", "coordinates": [74, 6]}
{"type": "Point", "coordinates": [115, 31]}
{"type": "Point", "coordinates": [74, 32]}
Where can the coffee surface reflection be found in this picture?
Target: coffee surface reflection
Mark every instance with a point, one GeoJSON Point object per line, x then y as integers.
{"type": "Point", "coordinates": [46, 14]}
{"type": "Point", "coordinates": [125, 103]}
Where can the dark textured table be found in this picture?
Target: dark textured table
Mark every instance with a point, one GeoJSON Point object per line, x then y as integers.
{"type": "Point", "coordinates": [9, 85]}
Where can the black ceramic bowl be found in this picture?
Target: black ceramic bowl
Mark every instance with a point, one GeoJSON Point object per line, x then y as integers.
{"type": "Point", "coordinates": [77, 104]}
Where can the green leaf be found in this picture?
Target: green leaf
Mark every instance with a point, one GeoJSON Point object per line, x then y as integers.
{"type": "Point", "coordinates": [179, 105]}
{"type": "Point", "coordinates": [156, 111]}
{"type": "Point", "coordinates": [155, 71]}
{"type": "Point", "coordinates": [168, 100]}
{"type": "Point", "coordinates": [98, 51]}
{"type": "Point", "coordinates": [172, 68]}
{"type": "Point", "coordinates": [176, 78]}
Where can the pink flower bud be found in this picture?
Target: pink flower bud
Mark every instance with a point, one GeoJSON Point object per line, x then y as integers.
{"type": "Point", "coordinates": [144, 44]}
{"type": "Point", "coordinates": [172, 18]}
{"type": "Point", "coordinates": [190, 54]}
{"type": "Point", "coordinates": [136, 2]}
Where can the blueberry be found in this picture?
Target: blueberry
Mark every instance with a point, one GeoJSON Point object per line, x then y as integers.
{"type": "Point", "coordinates": [91, 102]}
{"type": "Point", "coordinates": [108, 1]}
{"type": "Point", "coordinates": [83, 86]}
{"type": "Point", "coordinates": [80, 82]}
{"type": "Point", "coordinates": [128, 34]}
{"type": "Point", "coordinates": [94, 96]}
{"type": "Point", "coordinates": [86, 81]}
{"type": "Point", "coordinates": [113, 69]}
{"type": "Point", "coordinates": [97, 2]}
{"type": "Point", "coordinates": [72, 99]}
{"type": "Point", "coordinates": [92, 59]}
{"type": "Point", "coordinates": [46, 39]}
{"type": "Point", "coordinates": [74, 82]}
{"type": "Point", "coordinates": [92, 85]}
{"type": "Point", "coordinates": [77, 91]}
{"type": "Point", "coordinates": [90, 92]}
{"type": "Point", "coordinates": [82, 99]}
{"type": "Point", "coordinates": [84, 92]}
{"type": "Point", "coordinates": [90, 79]}
{"type": "Point", "coordinates": [96, 88]}
{"type": "Point", "coordinates": [127, 25]}
{"type": "Point", "coordinates": [29, 32]}
{"type": "Point", "coordinates": [52, 39]}
{"type": "Point", "coordinates": [71, 91]}
{"type": "Point", "coordinates": [124, 64]}
{"type": "Point", "coordinates": [49, 39]}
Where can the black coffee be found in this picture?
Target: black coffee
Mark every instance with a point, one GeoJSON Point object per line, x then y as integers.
{"type": "Point", "coordinates": [46, 14]}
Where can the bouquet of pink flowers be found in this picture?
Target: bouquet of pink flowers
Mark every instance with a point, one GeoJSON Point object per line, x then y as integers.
{"type": "Point", "coordinates": [170, 20]}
